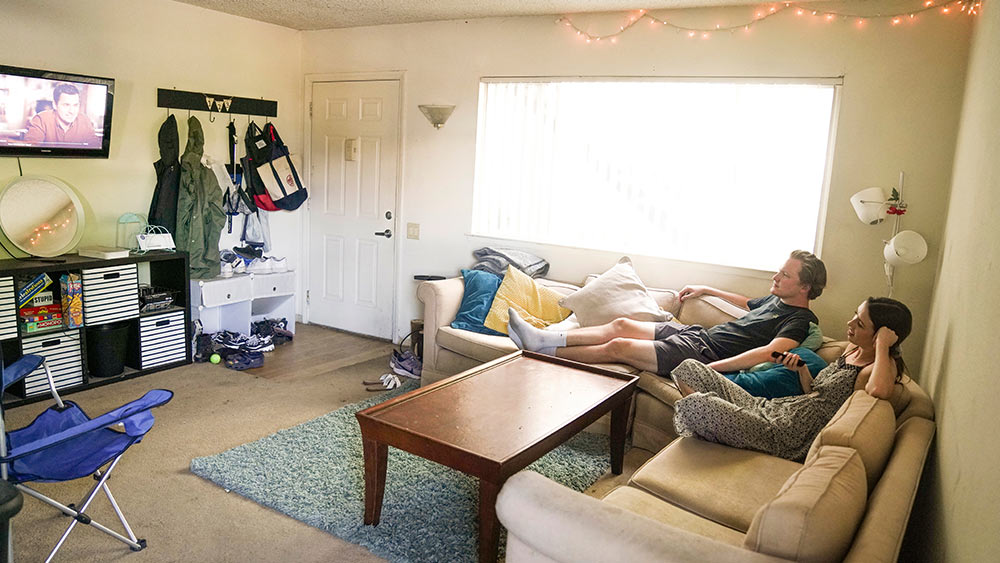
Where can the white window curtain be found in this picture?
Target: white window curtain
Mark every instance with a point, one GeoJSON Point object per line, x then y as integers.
{"type": "Point", "coordinates": [717, 172]}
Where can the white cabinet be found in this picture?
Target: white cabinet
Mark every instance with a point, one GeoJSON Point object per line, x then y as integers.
{"type": "Point", "coordinates": [64, 355]}
{"type": "Point", "coordinates": [232, 303]}
{"type": "Point", "coordinates": [8, 310]}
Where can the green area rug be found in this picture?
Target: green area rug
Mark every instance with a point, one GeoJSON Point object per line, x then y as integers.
{"type": "Point", "coordinates": [314, 472]}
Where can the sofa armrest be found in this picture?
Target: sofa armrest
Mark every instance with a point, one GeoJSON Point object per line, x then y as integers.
{"type": "Point", "coordinates": [441, 299]}
{"type": "Point", "coordinates": [546, 521]}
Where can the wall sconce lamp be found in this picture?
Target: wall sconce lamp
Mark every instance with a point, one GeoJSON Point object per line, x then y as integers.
{"type": "Point", "coordinates": [903, 248]}
{"type": "Point", "coordinates": [437, 115]}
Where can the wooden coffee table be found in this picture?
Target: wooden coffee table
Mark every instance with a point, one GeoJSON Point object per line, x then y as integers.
{"type": "Point", "coordinates": [493, 421]}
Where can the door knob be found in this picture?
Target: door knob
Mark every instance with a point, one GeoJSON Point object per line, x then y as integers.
{"type": "Point", "coordinates": [386, 233]}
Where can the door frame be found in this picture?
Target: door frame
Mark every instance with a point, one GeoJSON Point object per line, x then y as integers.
{"type": "Point", "coordinates": [310, 79]}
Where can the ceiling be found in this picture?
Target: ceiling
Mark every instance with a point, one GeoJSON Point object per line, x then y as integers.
{"type": "Point", "coordinates": [330, 14]}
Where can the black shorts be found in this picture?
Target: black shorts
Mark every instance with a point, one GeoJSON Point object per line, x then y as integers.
{"type": "Point", "coordinates": [675, 342]}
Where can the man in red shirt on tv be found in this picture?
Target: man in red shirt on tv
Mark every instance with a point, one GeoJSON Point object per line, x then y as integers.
{"type": "Point", "coordinates": [63, 124]}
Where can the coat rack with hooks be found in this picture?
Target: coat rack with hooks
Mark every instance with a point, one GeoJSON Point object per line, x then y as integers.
{"type": "Point", "coordinates": [218, 103]}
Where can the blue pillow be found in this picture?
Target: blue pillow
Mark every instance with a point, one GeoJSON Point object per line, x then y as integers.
{"type": "Point", "coordinates": [480, 288]}
{"type": "Point", "coordinates": [778, 381]}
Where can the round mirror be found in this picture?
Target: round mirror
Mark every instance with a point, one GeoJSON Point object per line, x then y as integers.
{"type": "Point", "coordinates": [41, 215]}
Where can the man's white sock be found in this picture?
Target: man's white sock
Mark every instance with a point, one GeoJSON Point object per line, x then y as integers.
{"type": "Point", "coordinates": [527, 337]}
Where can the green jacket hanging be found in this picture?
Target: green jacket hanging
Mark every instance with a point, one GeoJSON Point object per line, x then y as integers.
{"type": "Point", "coordinates": [200, 218]}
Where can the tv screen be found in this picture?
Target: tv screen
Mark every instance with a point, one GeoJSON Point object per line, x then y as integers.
{"type": "Point", "coordinates": [46, 113]}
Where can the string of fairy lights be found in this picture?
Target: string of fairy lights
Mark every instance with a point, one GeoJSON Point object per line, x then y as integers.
{"type": "Point", "coordinates": [967, 7]}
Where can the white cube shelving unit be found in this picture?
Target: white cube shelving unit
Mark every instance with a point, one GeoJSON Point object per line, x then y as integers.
{"type": "Point", "coordinates": [233, 303]}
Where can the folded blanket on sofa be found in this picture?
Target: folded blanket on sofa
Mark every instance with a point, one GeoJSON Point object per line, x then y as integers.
{"type": "Point", "coordinates": [496, 260]}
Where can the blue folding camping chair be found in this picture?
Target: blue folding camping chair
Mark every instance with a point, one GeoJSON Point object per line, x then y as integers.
{"type": "Point", "coordinates": [63, 444]}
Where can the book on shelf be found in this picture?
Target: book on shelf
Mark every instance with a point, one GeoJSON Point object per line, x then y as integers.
{"type": "Point", "coordinates": [103, 252]}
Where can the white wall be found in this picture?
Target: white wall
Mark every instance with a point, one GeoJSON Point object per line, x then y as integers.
{"type": "Point", "coordinates": [901, 100]}
{"type": "Point", "coordinates": [959, 520]}
{"type": "Point", "coordinates": [144, 46]}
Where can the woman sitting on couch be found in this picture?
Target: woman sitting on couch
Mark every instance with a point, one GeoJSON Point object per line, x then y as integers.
{"type": "Point", "coordinates": [716, 409]}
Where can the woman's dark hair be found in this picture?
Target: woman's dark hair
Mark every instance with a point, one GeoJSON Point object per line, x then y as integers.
{"type": "Point", "coordinates": [893, 314]}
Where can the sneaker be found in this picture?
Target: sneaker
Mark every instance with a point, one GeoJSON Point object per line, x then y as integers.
{"type": "Point", "coordinates": [258, 343]}
{"type": "Point", "coordinates": [405, 366]}
{"type": "Point", "coordinates": [260, 266]}
{"type": "Point", "coordinates": [247, 253]}
{"type": "Point", "coordinates": [227, 270]}
{"type": "Point", "coordinates": [231, 340]}
{"type": "Point", "coordinates": [278, 264]}
{"type": "Point", "coordinates": [240, 267]}
{"type": "Point", "coordinates": [407, 360]}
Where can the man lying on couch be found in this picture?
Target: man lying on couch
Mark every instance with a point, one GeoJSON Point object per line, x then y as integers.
{"type": "Point", "coordinates": [776, 323]}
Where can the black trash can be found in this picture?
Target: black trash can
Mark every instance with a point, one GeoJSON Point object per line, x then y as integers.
{"type": "Point", "coordinates": [106, 348]}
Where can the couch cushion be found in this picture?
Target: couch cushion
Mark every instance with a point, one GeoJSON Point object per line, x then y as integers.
{"type": "Point", "coordinates": [831, 349]}
{"type": "Point", "coordinates": [616, 293]}
{"type": "Point", "coordinates": [653, 427]}
{"type": "Point", "coordinates": [481, 347]}
{"type": "Point", "coordinates": [865, 424]}
{"type": "Point", "coordinates": [708, 311]}
{"type": "Point", "coordinates": [640, 502]}
{"type": "Point", "coordinates": [815, 515]}
{"type": "Point", "coordinates": [724, 484]}
{"type": "Point", "coordinates": [537, 304]}
{"type": "Point", "coordinates": [660, 387]}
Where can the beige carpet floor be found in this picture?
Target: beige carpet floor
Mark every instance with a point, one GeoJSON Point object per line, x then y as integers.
{"type": "Point", "coordinates": [186, 518]}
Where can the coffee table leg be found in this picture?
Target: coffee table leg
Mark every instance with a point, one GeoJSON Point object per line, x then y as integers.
{"type": "Point", "coordinates": [376, 458]}
{"type": "Point", "coordinates": [489, 529]}
{"type": "Point", "coordinates": [619, 423]}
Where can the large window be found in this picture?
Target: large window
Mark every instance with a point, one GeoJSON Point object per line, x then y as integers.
{"type": "Point", "coordinates": [715, 171]}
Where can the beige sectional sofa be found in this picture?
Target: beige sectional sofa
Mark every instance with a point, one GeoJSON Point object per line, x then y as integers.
{"type": "Point", "coordinates": [448, 351]}
{"type": "Point", "coordinates": [701, 501]}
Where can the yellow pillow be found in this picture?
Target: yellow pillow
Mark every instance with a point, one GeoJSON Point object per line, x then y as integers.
{"type": "Point", "coordinates": [537, 305]}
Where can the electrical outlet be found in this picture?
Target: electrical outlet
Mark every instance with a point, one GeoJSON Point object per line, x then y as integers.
{"type": "Point", "coordinates": [413, 231]}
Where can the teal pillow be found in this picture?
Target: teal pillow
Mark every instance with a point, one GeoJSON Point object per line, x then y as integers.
{"type": "Point", "coordinates": [812, 341]}
{"type": "Point", "coordinates": [480, 288]}
{"type": "Point", "coordinates": [778, 381]}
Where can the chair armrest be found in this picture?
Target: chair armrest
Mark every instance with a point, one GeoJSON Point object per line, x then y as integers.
{"type": "Point", "coordinates": [546, 521]}
{"type": "Point", "coordinates": [441, 299]}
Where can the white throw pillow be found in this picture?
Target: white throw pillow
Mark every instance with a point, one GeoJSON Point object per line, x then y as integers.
{"type": "Point", "coordinates": [616, 293]}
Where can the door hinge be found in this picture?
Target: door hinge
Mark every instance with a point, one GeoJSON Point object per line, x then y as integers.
{"type": "Point", "coordinates": [310, 109]}
{"type": "Point", "coordinates": [307, 297]}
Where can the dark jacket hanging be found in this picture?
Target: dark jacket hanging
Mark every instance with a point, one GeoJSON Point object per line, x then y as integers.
{"type": "Point", "coordinates": [163, 208]}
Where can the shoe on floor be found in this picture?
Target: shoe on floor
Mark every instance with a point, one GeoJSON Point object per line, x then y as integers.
{"type": "Point", "coordinates": [257, 343]}
{"type": "Point", "coordinates": [245, 360]}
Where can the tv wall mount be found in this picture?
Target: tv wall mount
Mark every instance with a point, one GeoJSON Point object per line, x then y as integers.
{"type": "Point", "coordinates": [218, 103]}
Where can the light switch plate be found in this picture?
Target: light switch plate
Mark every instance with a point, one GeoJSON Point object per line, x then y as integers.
{"type": "Point", "coordinates": [413, 231]}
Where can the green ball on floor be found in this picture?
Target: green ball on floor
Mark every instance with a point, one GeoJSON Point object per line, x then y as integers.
{"type": "Point", "coordinates": [215, 358]}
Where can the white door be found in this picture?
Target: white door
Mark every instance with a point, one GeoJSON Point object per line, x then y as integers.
{"type": "Point", "coordinates": [354, 150]}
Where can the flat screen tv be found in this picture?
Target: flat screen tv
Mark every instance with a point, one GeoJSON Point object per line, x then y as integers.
{"type": "Point", "coordinates": [55, 114]}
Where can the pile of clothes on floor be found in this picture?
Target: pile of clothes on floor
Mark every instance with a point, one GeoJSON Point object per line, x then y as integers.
{"type": "Point", "coordinates": [402, 363]}
{"type": "Point", "coordinates": [240, 351]}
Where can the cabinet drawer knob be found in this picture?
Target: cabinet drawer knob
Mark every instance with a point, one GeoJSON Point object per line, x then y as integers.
{"type": "Point", "coordinates": [51, 343]}
{"type": "Point", "coordinates": [164, 322]}
{"type": "Point", "coordinates": [274, 289]}
{"type": "Point", "coordinates": [112, 275]}
{"type": "Point", "coordinates": [229, 296]}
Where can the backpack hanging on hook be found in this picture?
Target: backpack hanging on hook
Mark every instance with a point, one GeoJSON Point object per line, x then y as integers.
{"type": "Point", "coordinates": [256, 148]}
{"type": "Point", "coordinates": [273, 169]}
